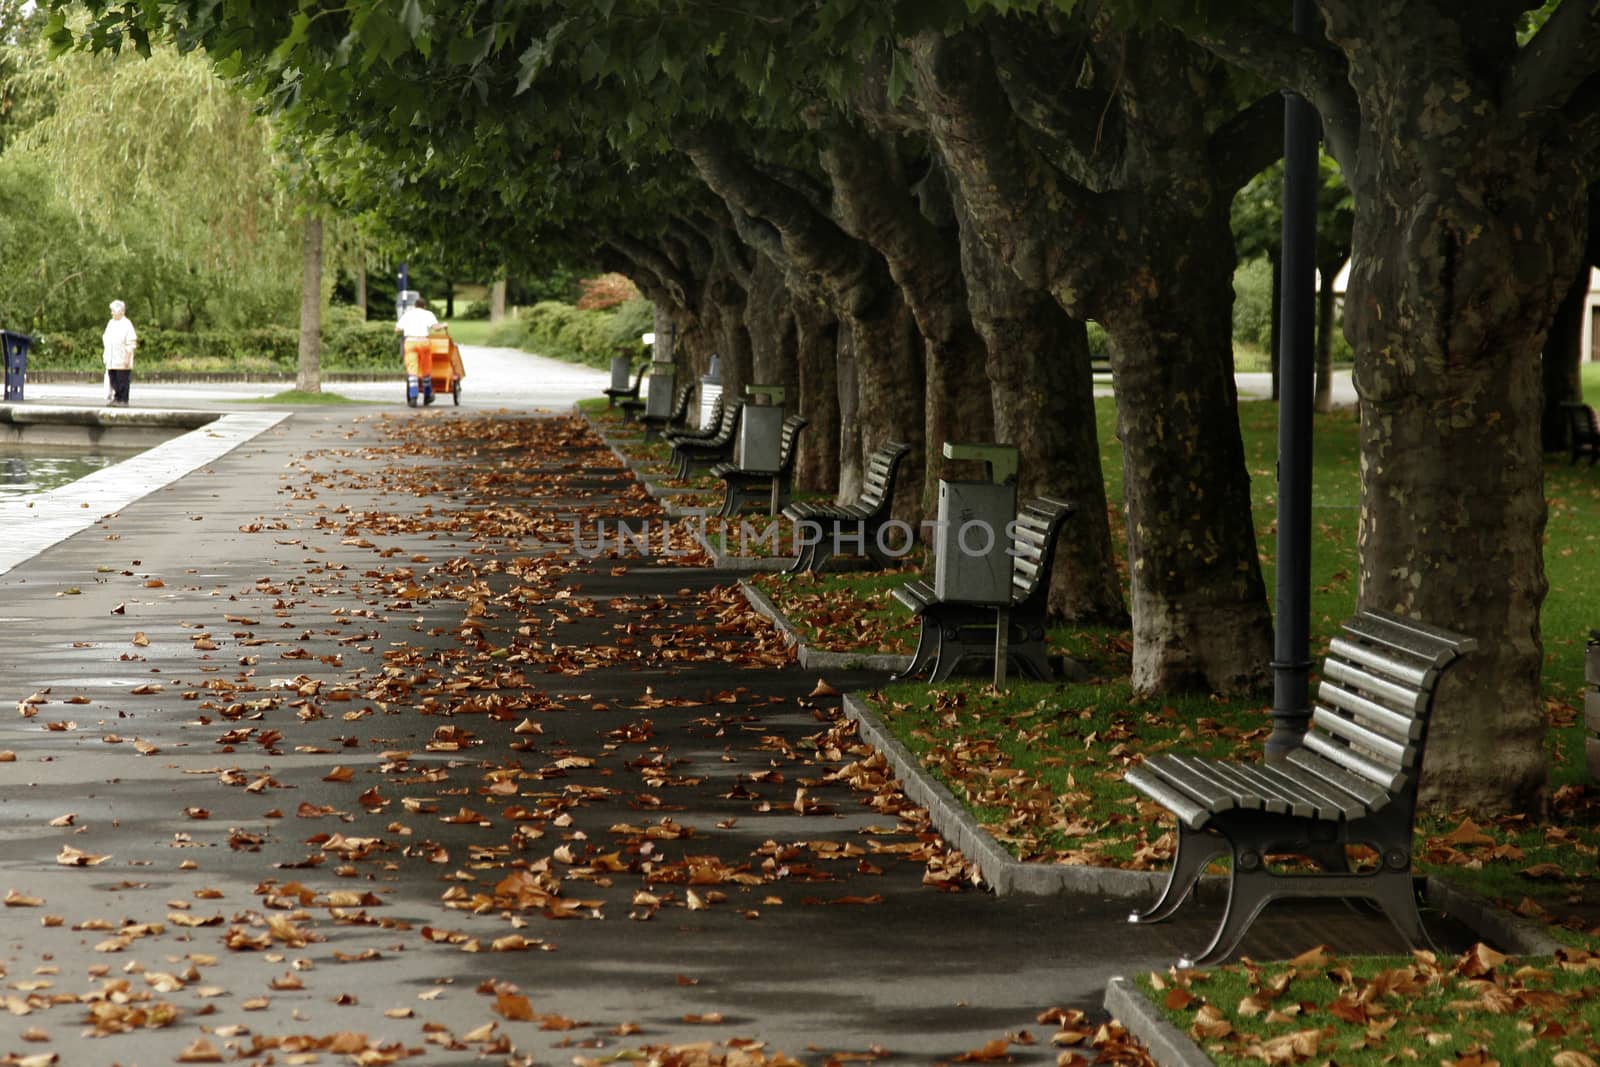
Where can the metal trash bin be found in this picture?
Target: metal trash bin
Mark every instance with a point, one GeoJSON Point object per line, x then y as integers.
{"type": "Point", "coordinates": [971, 550]}
{"type": "Point", "coordinates": [15, 347]}
{"type": "Point", "coordinates": [710, 388]}
{"type": "Point", "coordinates": [761, 428]}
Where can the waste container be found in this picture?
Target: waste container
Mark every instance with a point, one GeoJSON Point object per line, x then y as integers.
{"type": "Point", "coordinates": [971, 545]}
{"type": "Point", "coordinates": [16, 347]}
{"type": "Point", "coordinates": [710, 388]}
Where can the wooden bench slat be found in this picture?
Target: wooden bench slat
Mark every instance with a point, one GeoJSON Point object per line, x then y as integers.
{"type": "Point", "coordinates": [1183, 807]}
{"type": "Point", "coordinates": [1379, 748]}
{"type": "Point", "coordinates": [1373, 659]}
{"type": "Point", "coordinates": [1214, 797]}
{"type": "Point", "coordinates": [1332, 802]}
{"type": "Point", "coordinates": [1400, 697]}
{"type": "Point", "coordinates": [1326, 802]}
{"type": "Point", "coordinates": [1234, 778]}
{"type": "Point", "coordinates": [1320, 768]}
{"type": "Point", "coordinates": [1385, 777]}
{"type": "Point", "coordinates": [1280, 795]}
{"type": "Point", "coordinates": [1409, 727]}
{"type": "Point", "coordinates": [1431, 643]}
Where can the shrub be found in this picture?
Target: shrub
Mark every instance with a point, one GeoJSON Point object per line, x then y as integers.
{"type": "Point", "coordinates": [1252, 303]}
{"type": "Point", "coordinates": [1097, 340]}
{"type": "Point", "coordinates": [605, 292]}
{"type": "Point", "coordinates": [347, 345]}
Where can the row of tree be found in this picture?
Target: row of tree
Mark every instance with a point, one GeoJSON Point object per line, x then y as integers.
{"type": "Point", "coordinates": [908, 209]}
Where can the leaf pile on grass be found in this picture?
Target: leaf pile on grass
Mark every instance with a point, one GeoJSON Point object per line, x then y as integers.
{"type": "Point", "coordinates": [844, 612]}
{"type": "Point", "coordinates": [1478, 1009]}
{"type": "Point", "coordinates": [1041, 765]}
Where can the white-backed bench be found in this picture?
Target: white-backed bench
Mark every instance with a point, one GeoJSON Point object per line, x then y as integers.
{"type": "Point", "coordinates": [1354, 782]}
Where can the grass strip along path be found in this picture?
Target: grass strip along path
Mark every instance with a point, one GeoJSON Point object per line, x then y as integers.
{"type": "Point", "coordinates": [340, 750]}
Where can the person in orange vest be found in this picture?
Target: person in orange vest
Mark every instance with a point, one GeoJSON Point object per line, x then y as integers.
{"type": "Point", "coordinates": [413, 326]}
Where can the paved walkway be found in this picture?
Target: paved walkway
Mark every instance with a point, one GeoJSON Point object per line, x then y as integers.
{"type": "Point", "coordinates": [333, 744]}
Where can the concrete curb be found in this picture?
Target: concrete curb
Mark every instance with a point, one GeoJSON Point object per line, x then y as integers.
{"type": "Point", "coordinates": [45, 519]}
{"type": "Point", "coordinates": [1512, 933]}
{"type": "Point", "coordinates": [1003, 872]}
{"type": "Point", "coordinates": [1167, 1045]}
{"type": "Point", "coordinates": [722, 561]}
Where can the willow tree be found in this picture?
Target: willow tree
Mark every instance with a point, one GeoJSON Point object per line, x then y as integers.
{"type": "Point", "coordinates": [163, 151]}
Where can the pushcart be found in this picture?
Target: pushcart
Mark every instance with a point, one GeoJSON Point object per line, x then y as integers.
{"type": "Point", "coordinates": [439, 368]}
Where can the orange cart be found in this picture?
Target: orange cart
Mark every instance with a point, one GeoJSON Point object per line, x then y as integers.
{"type": "Point", "coordinates": [439, 367]}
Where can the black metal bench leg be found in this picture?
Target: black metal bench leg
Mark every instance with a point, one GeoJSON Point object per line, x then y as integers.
{"type": "Point", "coordinates": [926, 655]}
{"type": "Point", "coordinates": [1394, 892]}
{"type": "Point", "coordinates": [1032, 661]}
{"type": "Point", "coordinates": [952, 650]}
{"type": "Point", "coordinates": [730, 501]}
{"type": "Point", "coordinates": [1195, 849]}
{"type": "Point", "coordinates": [1249, 890]}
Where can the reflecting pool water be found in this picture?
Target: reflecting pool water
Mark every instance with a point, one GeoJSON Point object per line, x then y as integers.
{"type": "Point", "coordinates": [26, 471]}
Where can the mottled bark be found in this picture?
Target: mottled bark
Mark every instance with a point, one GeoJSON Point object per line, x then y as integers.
{"type": "Point", "coordinates": [1198, 599]}
{"type": "Point", "coordinates": [888, 354]}
{"type": "Point", "coordinates": [769, 321]}
{"type": "Point", "coordinates": [1038, 371]}
{"type": "Point", "coordinates": [1125, 220]}
{"type": "Point", "coordinates": [1327, 323]}
{"type": "Point", "coordinates": [817, 354]}
{"type": "Point", "coordinates": [874, 201]}
{"type": "Point", "coordinates": [1470, 199]}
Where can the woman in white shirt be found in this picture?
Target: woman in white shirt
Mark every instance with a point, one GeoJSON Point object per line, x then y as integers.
{"type": "Point", "coordinates": [119, 341]}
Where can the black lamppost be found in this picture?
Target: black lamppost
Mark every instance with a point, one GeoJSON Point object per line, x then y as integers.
{"type": "Point", "coordinates": [1291, 652]}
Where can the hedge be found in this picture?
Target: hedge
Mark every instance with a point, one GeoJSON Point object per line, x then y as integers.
{"type": "Point", "coordinates": [346, 346]}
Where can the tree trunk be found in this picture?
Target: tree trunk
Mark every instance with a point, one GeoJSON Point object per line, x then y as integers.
{"type": "Point", "coordinates": [817, 353]}
{"type": "Point", "coordinates": [769, 322]}
{"type": "Point", "coordinates": [1153, 263]}
{"type": "Point", "coordinates": [497, 300]}
{"type": "Point", "coordinates": [889, 364]}
{"type": "Point", "coordinates": [1043, 393]}
{"type": "Point", "coordinates": [847, 372]}
{"type": "Point", "coordinates": [449, 300]}
{"type": "Point", "coordinates": [1322, 399]}
{"type": "Point", "coordinates": [1561, 369]}
{"type": "Point", "coordinates": [1199, 603]}
{"type": "Point", "coordinates": [308, 379]}
{"type": "Point", "coordinates": [361, 288]}
{"type": "Point", "coordinates": [1469, 216]}
{"type": "Point", "coordinates": [872, 201]}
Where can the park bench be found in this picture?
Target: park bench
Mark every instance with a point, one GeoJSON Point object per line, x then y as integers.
{"type": "Point", "coordinates": [1099, 365]}
{"type": "Point", "coordinates": [953, 631]}
{"type": "Point", "coordinates": [704, 432]}
{"type": "Point", "coordinates": [864, 517]}
{"type": "Point", "coordinates": [615, 395]}
{"type": "Point", "coordinates": [677, 418]}
{"type": "Point", "coordinates": [1354, 782]}
{"type": "Point", "coordinates": [747, 486]}
{"type": "Point", "coordinates": [691, 453]}
{"type": "Point", "coordinates": [1583, 432]}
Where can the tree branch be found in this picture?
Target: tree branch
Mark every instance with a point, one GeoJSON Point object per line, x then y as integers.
{"type": "Point", "coordinates": [1081, 125]}
{"type": "Point", "coordinates": [1248, 142]}
{"type": "Point", "coordinates": [1314, 69]}
{"type": "Point", "coordinates": [1559, 59]}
